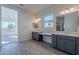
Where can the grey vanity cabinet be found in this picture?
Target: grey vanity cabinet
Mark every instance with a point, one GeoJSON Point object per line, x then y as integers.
{"type": "Point", "coordinates": [37, 36]}
{"type": "Point", "coordinates": [61, 43]}
{"type": "Point", "coordinates": [70, 44]}
{"type": "Point", "coordinates": [77, 46]}
{"type": "Point", "coordinates": [34, 35]}
{"type": "Point", "coordinates": [66, 43]}
{"type": "Point", "coordinates": [54, 41]}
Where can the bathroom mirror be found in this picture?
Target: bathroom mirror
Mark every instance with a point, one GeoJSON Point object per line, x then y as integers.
{"type": "Point", "coordinates": [35, 25]}
{"type": "Point", "coordinates": [60, 23]}
{"type": "Point", "coordinates": [68, 22]}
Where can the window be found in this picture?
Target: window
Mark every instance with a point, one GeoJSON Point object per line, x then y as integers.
{"type": "Point", "coordinates": [9, 18]}
{"type": "Point", "coordinates": [48, 21]}
{"type": "Point", "coordinates": [5, 24]}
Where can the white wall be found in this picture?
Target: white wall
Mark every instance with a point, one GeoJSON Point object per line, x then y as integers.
{"type": "Point", "coordinates": [24, 22]}
{"type": "Point", "coordinates": [55, 10]}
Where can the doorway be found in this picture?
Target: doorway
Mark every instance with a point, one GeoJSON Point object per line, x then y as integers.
{"type": "Point", "coordinates": [9, 25]}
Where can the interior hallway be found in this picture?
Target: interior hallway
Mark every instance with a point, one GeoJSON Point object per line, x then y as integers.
{"type": "Point", "coordinates": [29, 47]}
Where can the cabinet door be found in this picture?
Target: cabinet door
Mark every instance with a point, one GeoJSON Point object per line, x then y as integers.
{"type": "Point", "coordinates": [54, 41]}
{"type": "Point", "coordinates": [66, 44]}
{"type": "Point", "coordinates": [70, 45]}
{"type": "Point", "coordinates": [61, 43]}
{"type": "Point", "coordinates": [34, 35]}
{"type": "Point", "coordinates": [77, 46]}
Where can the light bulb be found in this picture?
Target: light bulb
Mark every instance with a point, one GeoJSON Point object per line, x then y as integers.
{"type": "Point", "coordinates": [66, 11]}
{"type": "Point", "coordinates": [62, 12]}
{"type": "Point", "coordinates": [71, 9]}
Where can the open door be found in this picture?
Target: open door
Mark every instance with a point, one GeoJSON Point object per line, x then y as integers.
{"type": "Point", "coordinates": [9, 25]}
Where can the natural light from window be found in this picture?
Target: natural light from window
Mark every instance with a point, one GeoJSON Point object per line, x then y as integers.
{"type": "Point", "coordinates": [48, 21]}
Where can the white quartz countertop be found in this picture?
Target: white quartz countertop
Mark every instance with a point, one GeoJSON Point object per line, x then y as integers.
{"type": "Point", "coordinates": [73, 34]}
{"type": "Point", "coordinates": [67, 34]}
{"type": "Point", "coordinates": [62, 33]}
{"type": "Point", "coordinates": [45, 33]}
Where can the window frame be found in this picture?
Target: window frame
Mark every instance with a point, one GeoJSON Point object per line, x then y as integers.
{"type": "Point", "coordinates": [49, 21]}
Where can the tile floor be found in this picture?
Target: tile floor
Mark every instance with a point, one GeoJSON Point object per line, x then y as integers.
{"type": "Point", "coordinates": [9, 39]}
{"type": "Point", "coordinates": [29, 47]}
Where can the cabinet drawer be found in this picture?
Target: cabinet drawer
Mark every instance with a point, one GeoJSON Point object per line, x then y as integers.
{"type": "Point", "coordinates": [69, 37]}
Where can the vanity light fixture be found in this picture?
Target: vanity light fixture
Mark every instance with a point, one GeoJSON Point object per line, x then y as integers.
{"type": "Point", "coordinates": [71, 9]}
{"type": "Point", "coordinates": [37, 20]}
{"type": "Point", "coordinates": [68, 10]}
{"type": "Point", "coordinates": [62, 12]}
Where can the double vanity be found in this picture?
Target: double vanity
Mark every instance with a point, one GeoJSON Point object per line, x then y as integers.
{"type": "Point", "coordinates": [65, 37]}
{"type": "Point", "coordinates": [62, 41]}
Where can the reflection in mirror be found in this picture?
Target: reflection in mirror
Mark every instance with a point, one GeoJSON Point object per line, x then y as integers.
{"type": "Point", "coordinates": [60, 23]}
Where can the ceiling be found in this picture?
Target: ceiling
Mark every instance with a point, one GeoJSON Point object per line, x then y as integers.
{"type": "Point", "coordinates": [34, 8]}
